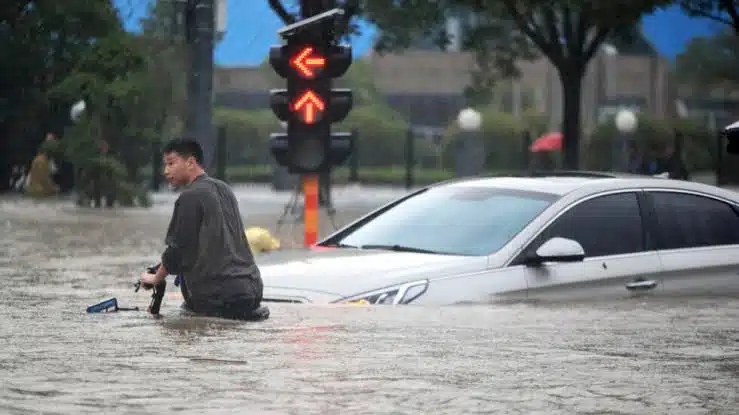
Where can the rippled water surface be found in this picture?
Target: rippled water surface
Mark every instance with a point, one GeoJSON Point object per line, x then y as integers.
{"type": "Point", "coordinates": [626, 357]}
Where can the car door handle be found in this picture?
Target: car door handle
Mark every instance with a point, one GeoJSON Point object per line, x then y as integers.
{"type": "Point", "coordinates": [641, 285]}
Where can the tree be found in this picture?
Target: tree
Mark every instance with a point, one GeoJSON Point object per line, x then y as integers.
{"type": "Point", "coordinates": [112, 140]}
{"type": "Point", "coordinates": [134, 87]}
{"type": "Point", "coordinates": [710, 61]}
{"type": "Point", "coordinates": [569, 35]}
{"type": "Point", "coordinates": [722, 11]}
{"type": "Point", "coordinates": [167, 59]}
{"type": "Point", "coordinates": [40, 42]}
{"type": "Point", "coordinates": [503, 32]}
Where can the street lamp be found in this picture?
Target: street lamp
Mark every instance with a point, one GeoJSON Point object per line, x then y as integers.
{"type": "Point", "coordinates": [626, 123]}
{"type": "Point", "coordinates": [611, 70]}
{"type": "Point", "coordinates": [469, 120]}
{"type": "Point", "coordinates": [470, 150]}
{"type": "Point", "coordinates": [77, 109]}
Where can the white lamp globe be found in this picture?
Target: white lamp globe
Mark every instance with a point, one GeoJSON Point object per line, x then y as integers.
{"type": "Point", "coordinates": [626, 121]}
{"type": "Point", "coordinates": [77, 109]}
{"type": "Point", "coordinates": [469, 119]}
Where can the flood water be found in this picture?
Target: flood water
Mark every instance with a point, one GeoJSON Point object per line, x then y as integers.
{"type": "Point", "coordinates": [632, 357]}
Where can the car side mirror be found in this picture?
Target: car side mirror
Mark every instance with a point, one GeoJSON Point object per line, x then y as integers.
{"type": "Point", "coordinates": [557, 250]}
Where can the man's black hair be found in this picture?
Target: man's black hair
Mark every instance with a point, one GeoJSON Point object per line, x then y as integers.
{"type": "Point", "coordinates": [185, 147]}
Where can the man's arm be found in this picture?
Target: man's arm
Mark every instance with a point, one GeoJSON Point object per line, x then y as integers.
{"type": "Point", "coordinates": [160, 274]}
{"type": "Point", "coordinates": [182, 236]}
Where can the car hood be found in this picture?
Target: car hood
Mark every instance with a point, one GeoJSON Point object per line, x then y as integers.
{"type": "Point", "coordinates": [347, 271]}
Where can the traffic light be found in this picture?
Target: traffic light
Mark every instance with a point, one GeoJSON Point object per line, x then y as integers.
{"type": "Point", "coordinates": [309, 104]}
{"type": "Point", "coordinates": [731, 133]}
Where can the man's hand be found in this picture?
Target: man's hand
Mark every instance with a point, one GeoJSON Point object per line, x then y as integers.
{"type": "Point", "coordinates": [148, 281]}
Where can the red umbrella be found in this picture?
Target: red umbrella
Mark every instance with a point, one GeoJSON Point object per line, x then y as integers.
{"type": "Point", "coordinates": [547, 142]}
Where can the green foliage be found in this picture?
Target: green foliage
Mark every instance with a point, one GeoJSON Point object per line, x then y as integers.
{"type": "Point", "coordinates": [382, 134]}
{"type": "Point", "coordinates": [722, 11]}
{"type": "Point", "coordinates": [48, 37]}
{"type": "Point", "coordinates": [381, 140]}
{"type": "Point", "coordinates": [247, 134]}
{"type": "Point", "coordinates": [390, 175]}
{"type": "Point", "coordinates": [132, 85]}
{"type": "Point", "coordinates": [98, 174]}
{"type": "Point", "coordinates": [493, 38]}
{"type": "Point", "coordinates": [41, 42]}
{"type": "Point", "coordinates": [110, 80]}
{"type": "Point", "coordinates": [52, 148]}
{"type": "Point", "coordinates": [710, 60]}
{"type": "Point", "coordinates": [651, 136]}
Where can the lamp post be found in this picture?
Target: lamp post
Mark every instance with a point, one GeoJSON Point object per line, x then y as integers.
{"type": "Point", "coordinates": [470, 151]}
{"type": "Point", "coordinates": [76, 111]}
{"type": "Point", "coordinates": [626, 124]}
{"type": "Point", "coordinates": [469, 120]}
{"type": "Point", "coordinates": [611, 53]}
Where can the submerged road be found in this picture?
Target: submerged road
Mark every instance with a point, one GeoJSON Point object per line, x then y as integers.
{"type": "Point", "coordinates": [631, 357]}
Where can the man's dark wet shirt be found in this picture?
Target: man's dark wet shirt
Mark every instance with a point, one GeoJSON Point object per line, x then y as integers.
{"type": "Point", "coordinates": [207, 246]}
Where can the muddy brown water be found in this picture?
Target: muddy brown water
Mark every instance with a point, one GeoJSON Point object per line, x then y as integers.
{"type": "Point", "coordinates": [632, 358]}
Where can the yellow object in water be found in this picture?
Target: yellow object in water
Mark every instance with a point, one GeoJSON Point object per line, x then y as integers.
{"type": "Point", "coordinates": [261, 240]}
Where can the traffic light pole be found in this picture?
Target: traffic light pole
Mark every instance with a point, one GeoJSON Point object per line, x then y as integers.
{"type": "Point", "coordinates": [310, 8]}
{"type": "Point", "coordinates": [200, 27]}
{"type": "Point", "coordinates": [309, 59]}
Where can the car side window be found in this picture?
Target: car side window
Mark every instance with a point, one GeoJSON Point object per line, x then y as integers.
{"type": "Point", "coordinates": [692, 221]}
{"type": "Point", "coordinates": [605, 225]}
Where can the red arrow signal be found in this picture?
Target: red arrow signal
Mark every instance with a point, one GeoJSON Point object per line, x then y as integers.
{"type": "Point", "coordinates": [305, 62]}
{"type": "Point", "coordinates": [310, 105]}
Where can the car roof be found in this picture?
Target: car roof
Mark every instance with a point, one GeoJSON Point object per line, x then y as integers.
{"type": "Point", "coordinates": [563, 182]}
{"type": "Point", "coordinates": [554, 185]}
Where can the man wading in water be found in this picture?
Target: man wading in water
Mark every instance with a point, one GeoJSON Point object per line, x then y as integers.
{"type": "Point", "coordinates": [206, 244]}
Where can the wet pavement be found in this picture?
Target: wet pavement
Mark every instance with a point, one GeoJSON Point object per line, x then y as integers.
{"type": "Point", "coordinates": [632, 357]}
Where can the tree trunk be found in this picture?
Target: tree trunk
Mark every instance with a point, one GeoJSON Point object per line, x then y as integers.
{"type": "Point", "coordinates": [571, 81]}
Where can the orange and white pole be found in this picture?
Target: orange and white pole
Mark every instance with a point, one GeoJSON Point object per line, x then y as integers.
{"type": "Point", "coordinates": [310, 190]}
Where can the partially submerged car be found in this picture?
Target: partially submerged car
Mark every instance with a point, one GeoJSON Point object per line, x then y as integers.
{"type": "Point", "coordinates": [567, 235]}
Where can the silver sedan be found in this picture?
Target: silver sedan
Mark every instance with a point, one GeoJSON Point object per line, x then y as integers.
{"type": "Point", "coordinates": [559, 237]}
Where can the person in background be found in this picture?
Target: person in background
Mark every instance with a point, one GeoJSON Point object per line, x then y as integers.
{"type": "Point", "coordinates": [101, 178]}
{"type": "Point", "coordinates": [636, 160]}
{"type": "Point", "coordinates": [39, 183]}
{"type": "Point", "coordinates": [670, 163]}
{"type": "Point", "coordinates": [17, 179]}
{"type": "Point", "coordinates": [50, 145]}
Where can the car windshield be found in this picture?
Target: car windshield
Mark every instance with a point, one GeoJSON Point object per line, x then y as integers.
{"type": "Point", "coordinates": [451, 220]}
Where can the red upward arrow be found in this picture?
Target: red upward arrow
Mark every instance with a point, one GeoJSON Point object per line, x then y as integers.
{"type": "Point", "coordinates": [308, 103]}
{"type": "Point", "coordinates": [305, 63]}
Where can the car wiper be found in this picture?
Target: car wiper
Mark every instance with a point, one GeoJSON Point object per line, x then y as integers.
{"type": "Point", "coordinates": [401, 248]}
{"type": "Point", "coordinates": [339, 245]}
